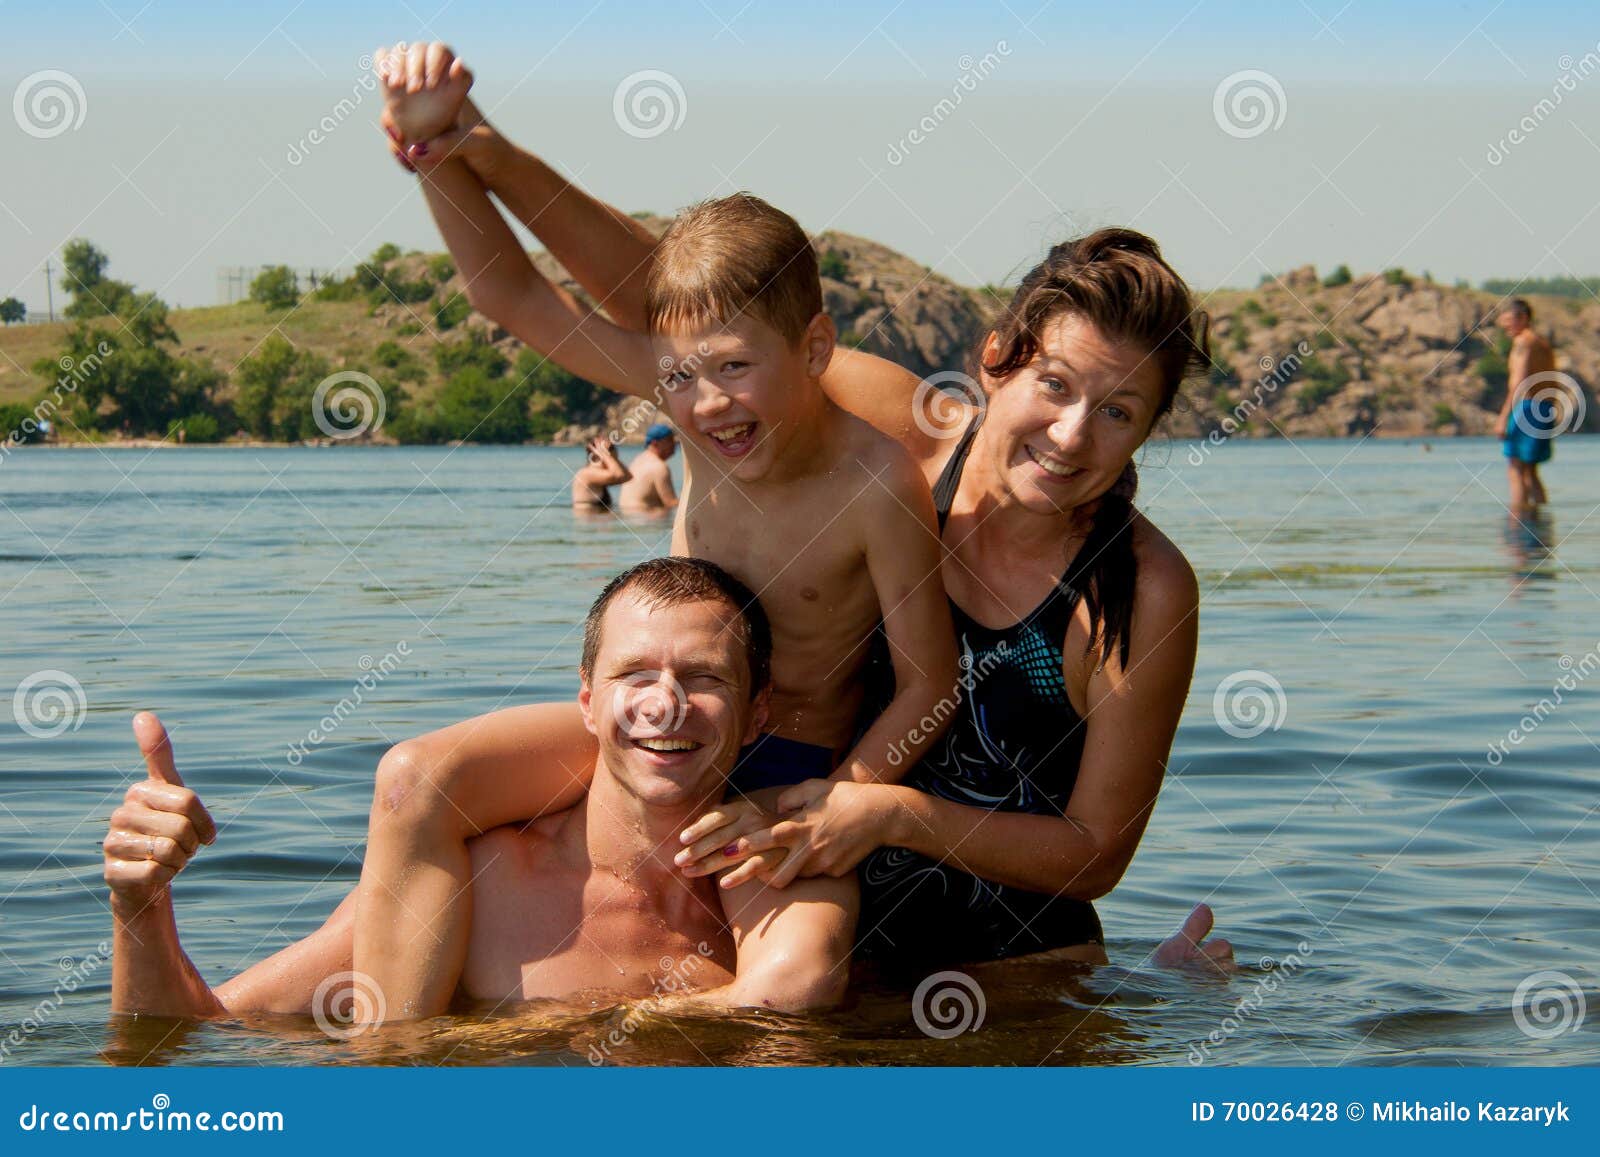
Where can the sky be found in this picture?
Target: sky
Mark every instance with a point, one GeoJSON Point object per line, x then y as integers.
{"type": "Point", "coordinates": [1248, 138]}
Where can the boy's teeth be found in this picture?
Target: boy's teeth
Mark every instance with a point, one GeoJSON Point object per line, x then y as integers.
{"type": "Point", "coordinates": [733, 433]}
{"type": "Point", "coordinates": [668, 744]}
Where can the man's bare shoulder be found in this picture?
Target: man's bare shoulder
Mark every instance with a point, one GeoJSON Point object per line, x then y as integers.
{"type": "Point", "coordinates": [514, 849]}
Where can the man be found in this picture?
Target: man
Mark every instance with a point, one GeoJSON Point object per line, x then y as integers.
{"type": "Point", "coordinates": [650, 489]}
{"type": "Point", "coordinates": [675, 679]}
{"type": "Point", "coordinates": [1530, 418]}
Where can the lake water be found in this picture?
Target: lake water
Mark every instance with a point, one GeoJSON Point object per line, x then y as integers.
{"type": "Point", "coordinates": [1388, 876]}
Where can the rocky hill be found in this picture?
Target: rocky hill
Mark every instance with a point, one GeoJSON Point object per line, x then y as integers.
{"type": "Point", "coordinates": [1388, 354]}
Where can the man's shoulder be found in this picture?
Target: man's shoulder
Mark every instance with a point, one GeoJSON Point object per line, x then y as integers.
{"type": "Point", "coordinates": [514, 845]}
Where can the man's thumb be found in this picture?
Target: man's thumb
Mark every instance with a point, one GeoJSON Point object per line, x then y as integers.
{"type": "Point", "coordinates": [156, 748]}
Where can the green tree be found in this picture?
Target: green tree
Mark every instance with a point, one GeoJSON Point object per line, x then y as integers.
{"type": "Point", "coordinates": [833, 265]}
{"type": "Point", "coordinates": [449, 314]}
{"type": "Point", "coordinates": [572, 396]}
{"type": "Point", "coordinates": [275, 389]}
{"type": "Point", "coordinates": [18, 426]}
{"type": "Point", "coordinates": [1340, 276]}
{"type": "Point", "coordinates": [402, 364]}
{"type": "Point", "coordinates": [473, 353]}
{"type": "Point", "coordinates": [476, 407]}
{"type": "Point", "coordinates": [12, 310]}
{"type": "Point", "coordinates": [276, 288]}
{"type": "Point", "coordinates": [84, 278]}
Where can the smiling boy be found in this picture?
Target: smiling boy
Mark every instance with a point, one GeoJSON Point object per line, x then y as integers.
{"type": "Point", "coordinates": [827, 519]}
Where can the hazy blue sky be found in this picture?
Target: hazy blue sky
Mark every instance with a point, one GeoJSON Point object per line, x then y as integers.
{"type": "Point", "coordinates": [192, 150]}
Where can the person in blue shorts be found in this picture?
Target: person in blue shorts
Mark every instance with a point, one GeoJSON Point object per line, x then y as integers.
{"type": "Point", "coordinates": [1535, 409]}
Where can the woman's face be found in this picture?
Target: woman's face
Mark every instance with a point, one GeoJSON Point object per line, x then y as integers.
{"type": "Point", "coordinates": [1061, 429]}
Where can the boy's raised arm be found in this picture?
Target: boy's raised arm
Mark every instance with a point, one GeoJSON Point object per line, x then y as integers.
{"type": "Point", "coordinates": [424, 91]}
{"type": "Point", "coordinates": [503, 285]}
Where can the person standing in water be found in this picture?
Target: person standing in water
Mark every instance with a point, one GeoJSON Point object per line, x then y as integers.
{"type": "Point", "coordinates": [1529, 419]}
{"type": "Point", "coordinates": [650, 488]}
{"type": "Point", "coordinates": [591, 486]}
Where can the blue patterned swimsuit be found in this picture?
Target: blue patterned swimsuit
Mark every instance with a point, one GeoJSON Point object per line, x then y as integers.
{"type": "Point", "coordinates": [1014, 745]}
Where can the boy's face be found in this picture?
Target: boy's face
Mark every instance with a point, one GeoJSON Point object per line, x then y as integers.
{"type": "Point", "coordinates": [1069, 421]}
{"type": "Point", "coordinates": [737, 391]}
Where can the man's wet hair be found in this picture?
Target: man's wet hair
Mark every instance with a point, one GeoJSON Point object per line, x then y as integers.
{"type": "Point", "coordinates": [674, 581]}
{"type": "Point", "coordinates": [1520, 307]}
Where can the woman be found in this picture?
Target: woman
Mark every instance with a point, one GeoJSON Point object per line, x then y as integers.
{"type": "Point", "coordinates": [591, 485]}
{"type": "Point", "coordinates": [1077, 616]}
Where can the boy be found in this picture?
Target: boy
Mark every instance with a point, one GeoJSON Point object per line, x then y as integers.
{"type": "Point", "coordinates": [828, 520]}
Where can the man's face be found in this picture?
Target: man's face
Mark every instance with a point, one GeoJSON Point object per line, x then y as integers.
{"type": "Point", "coordinates": [669, 698]}
{"type": "Point", "coordinates": [736, 391]}
{"type": "Point", "coordinates": [1512, 322]}
{"type": "Point", "coordinates": [665, 447]}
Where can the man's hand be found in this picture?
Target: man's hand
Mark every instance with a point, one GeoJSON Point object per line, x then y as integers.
{"type": "Point", "coordinates": [424, 89]}
{"type": "Point", "coordinates": [160, 824]}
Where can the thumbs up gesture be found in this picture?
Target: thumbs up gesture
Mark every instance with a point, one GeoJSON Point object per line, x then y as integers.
{"type": "Point", "coordinates": [160, 824]}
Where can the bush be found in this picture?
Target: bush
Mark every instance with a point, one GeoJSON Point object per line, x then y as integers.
{"type": "Point", "coordinates": [276, 384]}
{"type": "Point", "coordinates": [833, 264]}
{"type": "Point", "coordinates": [449, 314]}
{"type": "Point", "coordinates": [1443, 415]}
{"type": "Point", "coordinates": [572, 396]}
{"type": "Point", "coordinates": [1339, 276]}
{"type": "Point", "coordinates": [276, 288]}
{"type": "Point", "coordinates": [404, 366]}
{"type": "Point", "coordinates": [1396, 276]}
{"type": "Point", "coordinates": [1323, 380]}
{"type": "Point", "coordinates": [441, 268]}
{"type": "Point", "coordinates": [477, 407]}
{"type": "Point", "coordinates": [474, 353]}
{"type": "Point", "coordinates": [404, 292]}
{"type": "Point", "coordinates": [196, 428]}
{"type": "Point", "coordinates": [18, 426]}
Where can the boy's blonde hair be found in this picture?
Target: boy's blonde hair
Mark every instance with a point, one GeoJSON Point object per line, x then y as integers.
{"type": "Point", "coordinates": [729, 257]}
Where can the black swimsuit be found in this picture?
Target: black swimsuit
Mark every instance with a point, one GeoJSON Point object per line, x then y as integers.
{"type": "Point", "coordinates": [1014, 745]}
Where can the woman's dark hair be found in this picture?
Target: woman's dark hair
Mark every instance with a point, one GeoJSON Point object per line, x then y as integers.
{"type": "Point", "coordinates": [1117, 280]}
{"type": "Point", "coordinates": [672, 581]}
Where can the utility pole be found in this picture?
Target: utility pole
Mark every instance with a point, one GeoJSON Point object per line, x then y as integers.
{"type": "Point", "coordinates": [49, 289]}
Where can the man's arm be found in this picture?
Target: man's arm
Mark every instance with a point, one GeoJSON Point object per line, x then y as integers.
{"type": "Point", "coordinates": [664, 490]}
{"type": "Point", "coordinates": [1516, 372]}
{"type": "Point", "coordinates": [152, 836]}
